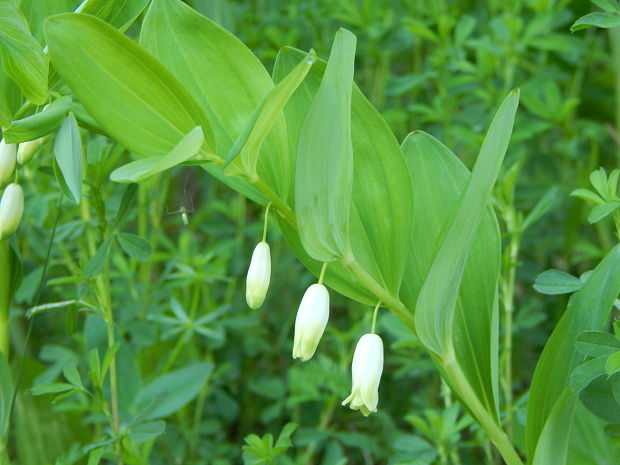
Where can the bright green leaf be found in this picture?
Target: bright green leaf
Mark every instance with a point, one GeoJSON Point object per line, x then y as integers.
{"type": "Point", "coordinates": [40, 124]}
{"type": "Point", "coordinates": [554, 282]}
{"type": "Point", "coordinates": [603, 20]}
{"type": "Point", "coordinates": [68, 154]}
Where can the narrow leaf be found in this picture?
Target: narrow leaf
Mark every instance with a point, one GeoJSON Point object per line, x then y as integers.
{"type": "Point", "coordinates": [436, 303]}
{"type": "Point", "coordinates": [134, 246]}
{"type": "Point", "coordinates": [142, 169]}
{"type": "Point", "coordinates": [40, 124]}
{"type": "Point", "coordinates": [98, 261]}
{"type": "Point", "coordinates": [68, 154]}
{"type": "Point", "coordinates": [324, 170]}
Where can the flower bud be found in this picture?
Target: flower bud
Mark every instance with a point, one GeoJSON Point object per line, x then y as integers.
{"type": "Point", "coordinates": [7, 161]}
{"type": "Point", "coordinates": [259, 275]}
{"type": "Point", "coordinates": [26, 150]}
{"type": "Point", "coordinates": [311, 320]}
{"type": "Point", "coordinates": [367, 368]}
{"type": "Point", "coordinates": [11, 209]}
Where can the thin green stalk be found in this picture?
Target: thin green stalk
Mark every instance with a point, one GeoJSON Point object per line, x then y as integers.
{"type": "Point", "coordinates": [470, 400]}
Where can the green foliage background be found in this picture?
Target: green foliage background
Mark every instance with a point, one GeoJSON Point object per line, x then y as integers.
{"type": "Point", "coordinates": [439, 66]}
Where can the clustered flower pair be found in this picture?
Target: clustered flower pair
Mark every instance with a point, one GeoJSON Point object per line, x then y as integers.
{"type": "Point", "coordinates": [310, 325]}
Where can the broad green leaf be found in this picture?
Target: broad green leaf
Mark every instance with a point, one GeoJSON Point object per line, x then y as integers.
{"type": "Point", "coordinates": [324, 163]}
{"type": "Point", "coordinates": [550, 403]}
{"type": "Point", "coordinates": [438, 179]}
{"type": "Point", "coordinates": [601, 211]}
{"type": "Point", "coordinates": [554, 282]}
{"type": "Point", "coordinates": [141, 169]}
{"type": "Point", "coordinates": [583, 374]}
{"type": "Point", "coordinates": [603, 20]}
{"type": "Point", "coordinates": [243, 156]}
{"type": "Point", "coordinates": [134, 98]}
{"type": "Point", "coordinates": [597, 344]}
{"type": "Point", "coordinates": [384, 187]}
{"type": "Point", "coordinates": [173, 390]}
{"type": "Point", "coordinates": [98, 261]}
{"type": "Point", "coordinates": [68, 154]}
{"type": "Point", "coordinates": [434, 314]}
{"type": "Point", "coordinates": [22, 56]}
{"type": "Point", "coordinates": [135, 246]}
{"type": "Point", "coordinates": [226, 79]}
{"type": "Point", "coordinates": [119, 13]}
{"type": "Point", "coordinates": [35, 12]}
{"type": "Point", "coordinates": [40, 124]}
{"type": "Point", "coordinates": [10, 98]}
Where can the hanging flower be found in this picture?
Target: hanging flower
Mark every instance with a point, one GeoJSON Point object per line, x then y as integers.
{"type": "Point", "coordinates": [259, 275]}
{"type": "Point", "coordinates": [367, 368]}
{"type": "Point", "coordinates": [11, 210]}
{"type": "Point", "coordinates": [311, 320]}
{"type": "Point", "coordinates": [7, 161]}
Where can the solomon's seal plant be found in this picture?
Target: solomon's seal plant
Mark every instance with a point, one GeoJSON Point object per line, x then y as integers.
{"type": "Point", "coordinates": [403, 223]}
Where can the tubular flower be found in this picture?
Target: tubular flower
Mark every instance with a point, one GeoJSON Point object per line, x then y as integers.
{"type": "Point", "coordinates": [26, 150]}
{"type": "Point", "coordinates": [7, 161]}
{"type": "Point", "coordinates": [367, 368]}
{"type": "Point", "coordinates": [11, 209]}
{"type": "Point", "coordinates": [259, 275]}
{"type": "Point", "coordinates": [311, 320]}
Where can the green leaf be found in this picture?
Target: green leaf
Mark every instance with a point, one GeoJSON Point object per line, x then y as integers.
{"type": "Point", "coordinates": [598, 179]}
{"type": "Point", "coordinates": [601, 211]}
{"type": "Point", "coordinates": [599, 399]}
{"type": "Point", "coordinates": [587, 194]}
{"type": "Point", "coordinates": [10, 98]}
{"type": "Point", "coordinates": [551, 404]}
{"type": "Point", "coordinates": [51, 388]}
{"type": "Point", "coordinates": [128, 202]}
{"type": "Point", "coordinates": [22, 56]}
{"type": "Point", "coordinates": [68, 154]}
{"type": "Point", "coordinates": [243, 156]}
{"type": "Point", "coordinates": [583, 374]}
{"type": "Point", "coordinates": [438, 179]}
{"type": "Point", "coordinates": [596, 344]}
{"type": "Point", "coordinates": [384, 186]}
{"type": "Point", "coordinates": [436, 302]}
{"type": "Point", "coordinates": [147, 431]}
{"type": "Point", "coordinates": [612, 364]}
{"type": "Point", "coordinates": [72, 375]}
{"type": "Point", "coordinates": [541, 207]}
{"type": "Point", "coordinates": [40, 124]}
{"type": "Point", "coordinates": [607, 5]}
{"type": "Point", "coordinates": [134, 98]}
{"type": "Point", "coordinates": [324, 169]}
{"type": "Point", "coordinates": [226, 79]}
{"type": "Point", "coordinates": [179, 386]}
{"type": "Point", "coordinates": [142, 169]}
{"type": "Point", "coordinates": [97, 262]}
{"type": "Point", "coordinates": [553, 282]}
{"type": "Point", "coordinates": [119, 13]}
{"type": "Point", "coordinates": [134, 246]}
{"type": "Point", "coordinates": [603, 20]}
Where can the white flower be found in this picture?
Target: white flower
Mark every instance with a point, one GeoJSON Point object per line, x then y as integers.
{"type": "Point", "coordinates": [8, 154]}
{"type": "Point", "coordinates": [26, 150]}
{"type": "Point", "coordinates": [311, 320]}
{"type": "Point", "coordinates": [11, 209]}
{"type": "Point", "coordinates": [259, 275]}
{"type": "Point", "coordinates": [367, 368]}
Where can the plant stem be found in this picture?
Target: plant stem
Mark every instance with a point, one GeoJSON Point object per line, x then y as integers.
{"type": "Point", "coordinates": [470, 401]}
{"type": "Point", "coordinates": [5, 289]}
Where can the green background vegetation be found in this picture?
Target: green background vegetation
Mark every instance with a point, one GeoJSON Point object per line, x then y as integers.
{"type": "Point", "coordinates": [440, 66]}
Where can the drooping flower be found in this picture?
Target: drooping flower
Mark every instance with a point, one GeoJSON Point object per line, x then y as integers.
{"type": "Point", "coordinates": [311, 320]}
{"type": "Point", "coordinates": [26, 150]}
{"type": "Point", "coordinates": [259, 275]}
{"type": "Point", "coordinates": [8, 154]}
{"type": "Point", "coordinates": [367, 368]}
{"type": "Point", "coordinates": [11, 210]}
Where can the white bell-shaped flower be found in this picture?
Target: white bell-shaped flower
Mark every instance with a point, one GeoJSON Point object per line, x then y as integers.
{"type": "Point", "coordinates": [8, 155]}
{"type": "Point", "coordinates": [11, 209]}
{"type": "Point", "coordinates": [367, 368]}
{"type": "Point", "coordinates": [259, 275]}
{"type": "Point", "coordinates": [311, 320]}
{"type": "Point", "coordinates": [26, 150]}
